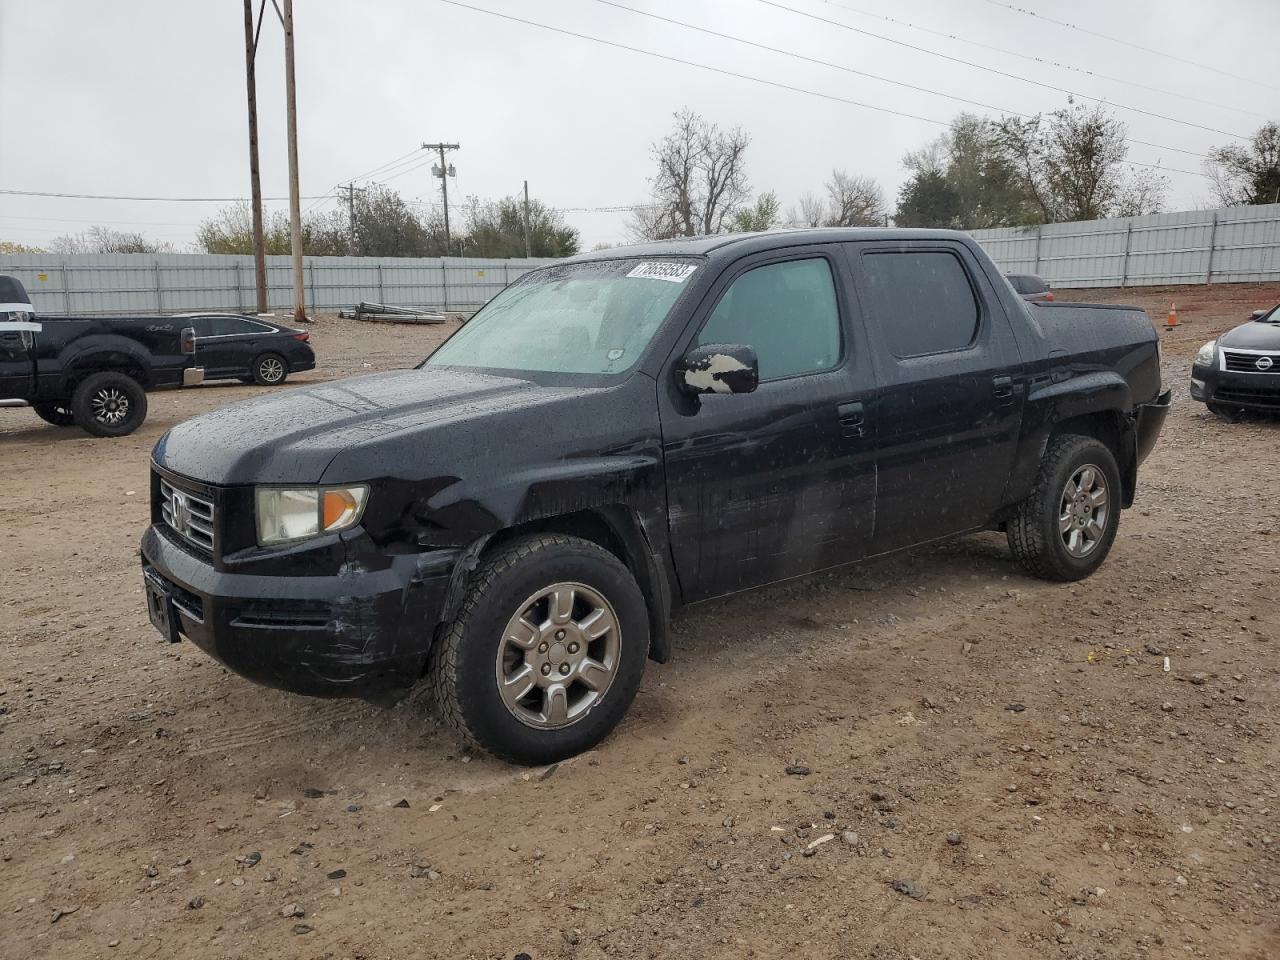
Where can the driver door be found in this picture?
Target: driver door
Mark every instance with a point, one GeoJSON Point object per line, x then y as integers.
{"type": "Point", "coordinates": [780, 482]}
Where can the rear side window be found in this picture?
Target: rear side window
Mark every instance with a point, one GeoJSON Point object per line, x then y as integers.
{"type": "Point", "coordinates": [234, 326]}
{"type": "Point", "coordinates": [786, 312]}
{"type": "Point", "coordinates": [922, 302]}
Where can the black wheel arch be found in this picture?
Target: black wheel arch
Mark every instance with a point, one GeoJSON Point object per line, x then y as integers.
{"type": "Point", "coordinates": [617, 529]}
{"type": "Point", "coordinates": [1098, 404]}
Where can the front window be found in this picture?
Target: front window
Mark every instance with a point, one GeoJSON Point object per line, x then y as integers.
{"type": "Point", "coordinates": [588, 318]}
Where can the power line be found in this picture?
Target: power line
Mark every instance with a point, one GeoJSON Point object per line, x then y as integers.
{"type": "Point", "coordinates": [1129, 43]}
{"type": "Point", "coordinates": [99, 196]}
{"type": "Point", "coordinates": [861, 73]}
{"type": "Point", "coordinates": [750, 77]}
{"type": "Point", "coordinates": [800, 56]}
{"type": "Point", "coordinates": [999, 73]}
{"type": "Point", "coordinates": [1004, 51]}
{"type": "Point", "coordinates": [381, 167]}
{"type": "Point", "coordinates": [692, 63]}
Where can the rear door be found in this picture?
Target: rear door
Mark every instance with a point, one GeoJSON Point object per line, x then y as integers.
{"type": "Point", "coordinates": [779, 482]}
{"type": "Point", "coordinates": [226, 345]}
{"type": "Point", "coordinates": [950, 388]}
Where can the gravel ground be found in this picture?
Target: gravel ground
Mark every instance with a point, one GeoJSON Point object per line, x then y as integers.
{"type": "Point", "coordinates": [928, 757]}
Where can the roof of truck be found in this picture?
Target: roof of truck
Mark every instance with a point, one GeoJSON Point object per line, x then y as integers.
{"type": "Point", "coordinates": [741, 243]}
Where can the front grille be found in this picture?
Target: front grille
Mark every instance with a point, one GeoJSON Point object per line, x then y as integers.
{"type": "Point", "coordinates": [189, 516]}
{"type": "Point", "coordinates": [1237, 362]}
{"type": "Point", "coordinates": [1250, 395]}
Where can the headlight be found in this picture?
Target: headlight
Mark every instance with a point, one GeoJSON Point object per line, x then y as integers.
{"type": "Point", "coordinates": [1205, 357]}
{"type": "Point", "coordinates": [286, 514]}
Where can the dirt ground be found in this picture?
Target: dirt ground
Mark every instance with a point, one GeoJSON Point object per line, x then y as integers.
{"type": "Point", "coordinates": [1012, 754]}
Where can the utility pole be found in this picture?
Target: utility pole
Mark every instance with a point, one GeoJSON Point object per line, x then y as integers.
{"type": "Point", "coordinates": [295, 201]}
{"type": "Point", "coordinates": [526, 220]}
{"type": "Point", "coordinates": [444, 173]}
{"type": "Point", "coordinates": [255, 181]}
{"type": "Point", "coordinates": [351, 217]}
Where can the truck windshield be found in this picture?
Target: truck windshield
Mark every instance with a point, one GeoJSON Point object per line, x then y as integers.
{"type": "Point", "coordinates": [591, 318]}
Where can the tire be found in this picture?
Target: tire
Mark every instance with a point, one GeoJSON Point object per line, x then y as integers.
{"type": "Point", "coordinates": [1036, 532]}
{"type": "Point", "coordinates": [58, 414]}
{"type": "Point", "coordinates": [109, 404]}
{"type": "Point", "coordinates": [270, 370]}
{"type": "Point", "coordinates": [477, 647]}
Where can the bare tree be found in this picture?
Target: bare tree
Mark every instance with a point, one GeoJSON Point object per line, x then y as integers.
{"type": "Point", "coordinates": [809, 212]}
{"type": "Point", "coordinates": [854, 201]}
{"type": "Point", "coordinates": [1244, 175]}
{"type": "Point", "coordinates": [701, 180]}
{"type": "Point", "coordinates": [99, 239]}
{"type": "Point", "coordinates": [1071, 165]}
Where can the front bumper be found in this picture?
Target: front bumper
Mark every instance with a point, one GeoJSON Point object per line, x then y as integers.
{"type": "Point", "coordinates": [192, 376]}
{"type": "Point", "coordinates": [1229, 388]}
{"type": "Point", "coordinates": [360, 633]}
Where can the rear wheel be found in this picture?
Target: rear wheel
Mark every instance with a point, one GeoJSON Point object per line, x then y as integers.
{"type": "Point", "coordinates": [1065, 529]}
{"type": "Point", "coordinates": [58, 414]}
{"type": "Point", "coordinates": [547, 652]}
{"type": "Point", "coordinates": [109, 404]}
{"type": "Point", "coordinates": [270, 369]}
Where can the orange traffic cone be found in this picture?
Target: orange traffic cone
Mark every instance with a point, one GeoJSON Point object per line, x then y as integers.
{"type": "Point", "coordinates": [1173, 315]}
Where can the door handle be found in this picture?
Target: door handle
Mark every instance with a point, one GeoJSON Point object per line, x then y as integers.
{"type": "Point", "coordinates": [1003, 388]}
{"type": "Point", "coordinates": [852, 418]}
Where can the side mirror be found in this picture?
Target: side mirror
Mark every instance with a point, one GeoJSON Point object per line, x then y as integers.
{"type": "Point", "coordinates": [1258, 314]}
{"type": "Point", "coordinates": [719, 368]}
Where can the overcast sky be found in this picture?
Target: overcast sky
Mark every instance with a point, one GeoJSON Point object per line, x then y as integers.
{"type": "Point", "coordinates": [147, 97]}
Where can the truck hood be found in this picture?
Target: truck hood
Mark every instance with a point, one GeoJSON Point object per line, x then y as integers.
{"type": "Point", "coordinates": [291, 437]}
{"type": "Point", "coordinates": [1254, 335]}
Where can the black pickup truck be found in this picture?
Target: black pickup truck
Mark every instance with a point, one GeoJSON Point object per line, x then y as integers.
{"type": "Point", "coordinates": [630, 431]}
{"type": "Point", "coordinates": [92, 372]}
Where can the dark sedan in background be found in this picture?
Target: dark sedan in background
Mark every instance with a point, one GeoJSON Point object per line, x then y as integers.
{"type": "Point", "coordinates": [249, 349]}
{"type": "Point", "coordinates": [1031, 288]}
{"type": "Point", "coordinates": [1241, 369]}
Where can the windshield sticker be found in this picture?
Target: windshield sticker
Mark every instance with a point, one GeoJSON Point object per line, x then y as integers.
{"type": "Point", "coordinates": [657, 270]}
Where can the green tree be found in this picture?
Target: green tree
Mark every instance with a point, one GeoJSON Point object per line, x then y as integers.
{"type": "Point", "coordinates": [496, 228]}
{"type": "Point", "coordinates": [928, 200]}
{"type": "Point", "coordinates": [12, 246]}
{"type": "Point", "coordinates": [1247, 175]}
{"type": "Point", "coordinates": [970, 158]}
{"type": "Point", "coordinates": [764, 214]}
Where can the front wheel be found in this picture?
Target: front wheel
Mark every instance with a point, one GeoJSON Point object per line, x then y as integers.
{"type": "Point", "coordinates": [1065, 529]}
{"type": "Point", "coordinates": [109, 404]}
{"type": "Point", "coordinates": [58, 414]}
{"type": "Point", "coordinates": [547, 652]}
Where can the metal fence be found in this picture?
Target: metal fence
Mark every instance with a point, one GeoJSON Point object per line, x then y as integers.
{"type": "Point", "coordinates": [1231, 245]}
{"type": "Point", "coordinates": [179, 282]}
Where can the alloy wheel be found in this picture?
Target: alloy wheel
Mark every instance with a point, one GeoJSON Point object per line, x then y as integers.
{"type": "Point", "coordinates": [271, 370]}
{"type": "Point", "coordinates": [1084, 511]}
{"type": "Point", "coordinates": [559, 655]}
{"type": "Point", "coordinates": [110, 406]}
